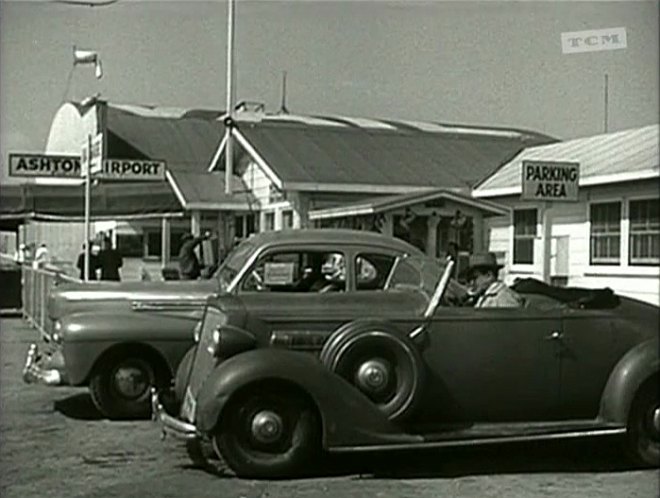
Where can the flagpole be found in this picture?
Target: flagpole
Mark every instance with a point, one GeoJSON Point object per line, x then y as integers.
{"type": "Point", "coordinates": [87, 206]}
{"type": "Point", "coordinates": [229, 148]}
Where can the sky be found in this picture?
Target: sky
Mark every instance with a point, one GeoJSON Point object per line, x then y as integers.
{"type": "Point", "coordinates": [492, 63]}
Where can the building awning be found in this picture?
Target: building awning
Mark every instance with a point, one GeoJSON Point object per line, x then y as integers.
{"type": "Point", "coordinates": [391, 202]}
{"type": "Point", "coordinates": [622, 156]}
{"type": "Point", "coordinates": [376, 156]}
{"type": "Point", "coordinates": [108, 202]}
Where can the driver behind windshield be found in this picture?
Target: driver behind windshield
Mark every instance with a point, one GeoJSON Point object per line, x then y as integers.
{"type": "Point", "coordinates": [490, 292]}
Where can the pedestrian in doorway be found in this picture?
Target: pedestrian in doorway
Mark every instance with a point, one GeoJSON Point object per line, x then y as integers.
{"type": "Point", "coordinates": [110, 260]}
{"type": "Point", "coordinates": [189, 267]}
{"type": "Point", "coordinates": [93, 262]}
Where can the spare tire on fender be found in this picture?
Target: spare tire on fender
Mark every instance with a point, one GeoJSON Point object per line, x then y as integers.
{"type": "Point", "coordinates": [380, 361]}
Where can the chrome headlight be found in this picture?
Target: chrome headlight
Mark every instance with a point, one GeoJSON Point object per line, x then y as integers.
{"type": "Point", "coordinates": [197, 332]}
{"type": "Point", "coordinates": [214, 347]}
{"type": "Point", "coordinates": [56, 336]}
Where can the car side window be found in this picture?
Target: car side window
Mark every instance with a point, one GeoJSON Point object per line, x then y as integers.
{"type": "Point", "coordinates": [297, 271]}
{"type": "Point", "coordinates": [372, 270]}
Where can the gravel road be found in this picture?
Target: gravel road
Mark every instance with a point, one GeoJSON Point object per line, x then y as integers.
{"type": "Point", "coordinates": [54, 444]}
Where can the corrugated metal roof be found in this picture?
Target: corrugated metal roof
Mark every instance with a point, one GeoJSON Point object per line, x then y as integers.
{"type": "Point", "coordinates": [108, 201]}
{"type": "Point", "coordinates": [380, 156]}
{"type": "Point", "coordinates": [610, 157]}
{"type": "Point", "coordinates": [185, 140]}
{"type": "Point", "coordinates": [195, 189]}
{"type": "Point", "coordinates": [312, 151]}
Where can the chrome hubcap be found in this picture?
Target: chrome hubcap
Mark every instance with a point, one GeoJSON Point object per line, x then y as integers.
{"type": "Point", "coordinates": [656, 420]}
{"type": "Point", "coordinates": [373, 375]}
{"type": "Point", "coordinates": [130, 381]}
{"type": "Point", "coordinates": [267, 427]}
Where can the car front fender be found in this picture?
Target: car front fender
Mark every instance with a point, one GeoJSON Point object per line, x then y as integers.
{"type": "Point", "coordinates": [87, 336]}
{"type": "Point", "coordinates": [636, 366]}
{"type": "Point", "coordinates": [348, 417]}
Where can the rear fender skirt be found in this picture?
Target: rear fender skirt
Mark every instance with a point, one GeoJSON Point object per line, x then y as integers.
{"type": "Point", "coordinates": [348, 417]}
{"type": "Point", "coordinates": [636, 366]}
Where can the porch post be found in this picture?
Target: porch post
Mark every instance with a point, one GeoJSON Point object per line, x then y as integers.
{"type": "Point", "coordinates": [165, 240]}
{"type": "Point", "coordinates": [432, 236]}
{"type": "Point", "coordinates": [478, 237]}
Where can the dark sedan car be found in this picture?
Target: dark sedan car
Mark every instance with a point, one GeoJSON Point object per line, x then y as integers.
{"type": "Point", "coordinates": [369, 355]}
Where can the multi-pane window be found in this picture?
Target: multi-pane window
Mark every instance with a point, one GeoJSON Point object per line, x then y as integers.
{"type": "Point", "coordinates": [244, 225]}
{"type": "Point", "coordinates": [605, 235]}
{"type": "Point", "coordinates": [644, 232]}
{"type": "Point", "coordinates": [524, 233]}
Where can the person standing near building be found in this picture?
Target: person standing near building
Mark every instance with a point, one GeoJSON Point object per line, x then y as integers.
{"type": "Point", "coordinates": [110, 261]}
{"type": "Point", "coordinates": [93, 262]}
{"type": "Point", "coordinates": [189, 267]}
{"type": "Point", "coordinates": [41, 256]}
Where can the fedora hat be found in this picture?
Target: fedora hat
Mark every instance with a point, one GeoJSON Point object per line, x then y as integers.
{"type": "Point", "coordinates": [484, 260]}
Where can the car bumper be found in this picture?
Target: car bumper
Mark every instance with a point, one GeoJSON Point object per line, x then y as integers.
{"type": "Point", "coordinates": [44, 368]}
{"type": "Point", "coordinates": [170, 425]}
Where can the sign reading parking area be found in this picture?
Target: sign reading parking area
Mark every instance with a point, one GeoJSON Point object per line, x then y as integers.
{"type": "Point", "coordinates": [54, 166]}
{"type": "Point", "coordinates": [550, 181]}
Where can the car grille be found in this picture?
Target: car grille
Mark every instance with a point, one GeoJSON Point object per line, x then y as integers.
{"type": "Point", "coordinates": [204, 361]}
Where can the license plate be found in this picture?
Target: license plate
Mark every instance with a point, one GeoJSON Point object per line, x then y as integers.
{"type": "Point", "coordinates": [189, 406]}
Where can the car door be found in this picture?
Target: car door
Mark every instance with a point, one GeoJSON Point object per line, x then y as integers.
{"type": "Point", "coordinates": [591, 344]}
{"type": "Point", "coordinates": [494, 364]}
{"type": "Point", "coordinates": [301, 315]}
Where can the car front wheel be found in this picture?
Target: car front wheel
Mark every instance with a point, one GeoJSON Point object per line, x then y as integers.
{"type": "Point", "coordinates": [120, 389]}
{"type": "Point", "coordinates": [268, 433]}
{"type": "Point", "coordinates": [643, 438]}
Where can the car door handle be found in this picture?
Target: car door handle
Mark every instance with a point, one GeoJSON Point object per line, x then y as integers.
{"type": "Point", "coordinates": [556, 335]}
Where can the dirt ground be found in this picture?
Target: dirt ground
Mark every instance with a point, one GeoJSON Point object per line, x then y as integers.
{"type": "Point", "coordinates": [54, 444]}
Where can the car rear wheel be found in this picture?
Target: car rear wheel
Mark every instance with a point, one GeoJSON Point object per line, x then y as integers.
{"type": "Point", "coordinates": [120, 387]}
{"type": "Point", "coordinates": [382, 363]}
{"type": "Point", "coordinates": [643, 437]}
{"type": "Point", "coordinates": [268, 433]}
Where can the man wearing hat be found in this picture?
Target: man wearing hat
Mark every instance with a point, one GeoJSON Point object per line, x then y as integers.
{"type": "Point", "coordinates": [189, 267]}
{"type": "Point", "coordinates": [491, 293]}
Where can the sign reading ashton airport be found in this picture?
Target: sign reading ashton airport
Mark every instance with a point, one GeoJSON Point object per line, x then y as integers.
{"type": "Point", "coordinates": [51, 166]}
{"type": "Point", "coordinates": [550, 181]}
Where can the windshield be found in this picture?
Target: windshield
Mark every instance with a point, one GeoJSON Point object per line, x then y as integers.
{"type": "Point", "coordinates": [233, 264]}
{"type": "Point", "coordinates": [420, 272]}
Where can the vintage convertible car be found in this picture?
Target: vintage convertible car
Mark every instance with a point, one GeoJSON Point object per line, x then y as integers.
{"type": "Point", "coordinates": [383, 362]}
{"type": "Point", "coordinates": [119, 338]}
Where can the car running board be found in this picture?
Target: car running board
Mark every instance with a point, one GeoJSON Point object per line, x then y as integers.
{"type": "Point", "coordinates": [485, 434]}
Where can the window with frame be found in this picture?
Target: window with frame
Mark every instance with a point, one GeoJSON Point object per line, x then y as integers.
{"type": "Point", "coordinates": [605, 233]}
{"type": "Point", "coordinates": [287, 218]}
{"type": "Point", "coordinates": [269, 221]}
{"type": "Point", "coordinates": [644, 238]}
{"type": "Point", "coordinates": [298, 271]}
{"type": "Point", "coordinates": [524, 234]}
{"type": "Point", "coordinates": [372, 270]}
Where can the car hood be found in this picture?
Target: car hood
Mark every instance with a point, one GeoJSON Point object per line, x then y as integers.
{"type": "Point", "coordinates": [73, 297]}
